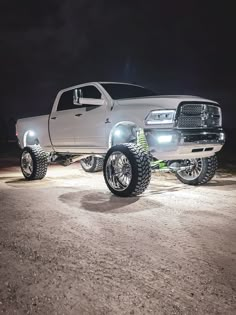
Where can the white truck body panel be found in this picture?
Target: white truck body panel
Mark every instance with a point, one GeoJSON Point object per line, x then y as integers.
{"type": "Point", "coordinates": [87, 129]}
{"type": "Point", "coordinates": [39, 125]}
{"type": "Point", "coordinates": [73, 128]}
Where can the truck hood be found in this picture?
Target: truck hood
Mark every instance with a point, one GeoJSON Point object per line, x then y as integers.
{"type": "Point", "coordinates": [161, 102]}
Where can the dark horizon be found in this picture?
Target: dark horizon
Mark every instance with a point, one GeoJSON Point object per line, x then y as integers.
{"type": "Point", "coordinates": [183, 49]}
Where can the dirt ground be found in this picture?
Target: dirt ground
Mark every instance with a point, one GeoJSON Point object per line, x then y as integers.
{"type": "Point", "coordinates": [68, 246]}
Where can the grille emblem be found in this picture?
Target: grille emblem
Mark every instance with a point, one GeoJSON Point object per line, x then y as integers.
{"type": "Point", "coordinates": [205, 115]}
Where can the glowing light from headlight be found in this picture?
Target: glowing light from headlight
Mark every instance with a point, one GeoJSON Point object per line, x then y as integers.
{"type": "Point", "coordinates": [31, 133]}
{"type": "Point", "coordinates": [164, 139]}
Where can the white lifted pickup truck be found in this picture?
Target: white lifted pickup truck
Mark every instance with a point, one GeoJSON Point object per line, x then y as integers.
{"type": "Point", "coordinates": [126, 130]}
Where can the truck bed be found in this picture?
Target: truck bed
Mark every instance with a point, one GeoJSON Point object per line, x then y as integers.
{"type": "Point", "coordinates": [39, 125]}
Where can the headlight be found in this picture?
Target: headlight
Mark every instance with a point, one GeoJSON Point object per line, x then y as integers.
{"type": "Point", "coordinates": [160, 117]}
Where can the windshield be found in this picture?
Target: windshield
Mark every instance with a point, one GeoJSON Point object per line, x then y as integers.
{"type": "Point", "coordinates": [119, 91]}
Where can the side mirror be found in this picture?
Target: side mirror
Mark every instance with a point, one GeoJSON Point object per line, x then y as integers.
{"type": "Point", "coordinates": [91, 101]}
{"type": "Point", "coordinates": [87, 101]}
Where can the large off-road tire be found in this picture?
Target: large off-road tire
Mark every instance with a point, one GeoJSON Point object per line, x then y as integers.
{"type": "Point", "coordinates": [33, 162]}
{"type": "Point", "coordinates": [92, 164]}
{"type": "Point", "coordinates": [127, 170]}
{"type": "Point", "coordinates": [202, 172]}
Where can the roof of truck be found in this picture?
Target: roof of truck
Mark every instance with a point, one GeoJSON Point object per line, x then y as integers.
{"type": "Point", "coordinates": [95, 82]}
{"type": "Point", "coordinates": [128, 83]}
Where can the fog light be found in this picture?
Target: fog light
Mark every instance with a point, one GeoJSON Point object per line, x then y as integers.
{"type": "Point", "coordinates": [164, 139]}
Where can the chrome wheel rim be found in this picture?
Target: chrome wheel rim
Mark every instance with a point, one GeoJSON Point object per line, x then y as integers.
{"type": "Point", "coordinates": [27, 163]}
{"type": "Point", "coordinates": [118, 171]}
{"type": "Point", "coordinates": [88, 162]}
{"type": "Point", "coordinates": [193, 171]}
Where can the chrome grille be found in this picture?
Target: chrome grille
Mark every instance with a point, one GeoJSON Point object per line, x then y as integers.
{"type": "Point", "coordinates": [192, 109]}
{"type": "Point", "coordinates": [189, 122]}
{"type": "Point", "coordinates": [198, 116]}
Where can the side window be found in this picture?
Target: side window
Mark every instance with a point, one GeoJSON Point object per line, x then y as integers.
{"type": "Point", "coordinates": [89, 92]}
{"type": "Point", "coordinates": [66, 101]}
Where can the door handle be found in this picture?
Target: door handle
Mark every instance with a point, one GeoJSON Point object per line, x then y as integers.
{"type": "Point", "coordinates": [54, 118]}
{"type": "Point", "coordinates": [77, 115]}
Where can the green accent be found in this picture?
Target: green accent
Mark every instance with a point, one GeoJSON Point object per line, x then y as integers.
{"type": "Point", "coordinates": [158, 164]}
{"type": "Point", "coordinates": [141, 140]}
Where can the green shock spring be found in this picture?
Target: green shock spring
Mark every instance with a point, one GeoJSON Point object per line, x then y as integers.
{"type": "Point", "coordinates": [142, 141]}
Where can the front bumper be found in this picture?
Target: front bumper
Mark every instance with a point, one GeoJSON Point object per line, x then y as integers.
{"type": "Point", "coordinates": [172, 144]}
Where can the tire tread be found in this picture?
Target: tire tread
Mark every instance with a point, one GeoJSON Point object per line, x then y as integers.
{"type": "Point", "coordinates": [209, 170]}
{"type": "Point", "coordinates": [40, 162]}
{"type": "Point", "coordinates": [142, 166]}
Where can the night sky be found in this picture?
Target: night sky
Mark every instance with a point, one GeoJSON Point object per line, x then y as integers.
{"type": "Point", "coordinates": [173, 47]}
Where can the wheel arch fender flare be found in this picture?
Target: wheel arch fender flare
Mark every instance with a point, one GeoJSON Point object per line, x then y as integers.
{"type": "Point", "coordinates": [30, 133]}
{"type": "Point", "coordinates": [120, 123]}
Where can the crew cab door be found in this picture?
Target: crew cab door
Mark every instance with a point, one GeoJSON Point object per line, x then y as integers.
{"type": "Point", "coordinates": [90, 130]}
{"type": "Point", "coordinates": [75, 126]}
{"type": "Point", "coordinates": [63, 123]}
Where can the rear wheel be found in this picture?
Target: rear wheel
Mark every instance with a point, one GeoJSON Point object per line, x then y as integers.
{"type": "Point", "coordinates": [127, 170]}
{"type": "Point", "coordinates": [200, 171]}
{"type": "Point", "coordinates": [92, 164]}
{"type": "Point", "coordinates": [33, 162]}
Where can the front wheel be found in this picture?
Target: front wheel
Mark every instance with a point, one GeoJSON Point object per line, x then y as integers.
{"type": "Point", "coordinates": [127, 170]}
{"type": "Point", "coordinates": [199, 172]}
